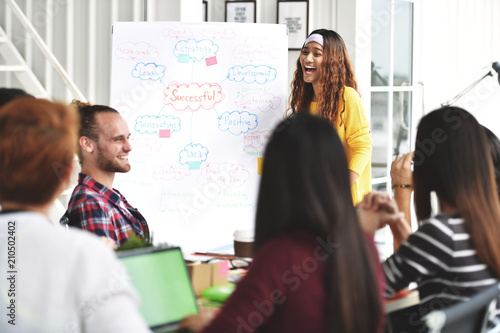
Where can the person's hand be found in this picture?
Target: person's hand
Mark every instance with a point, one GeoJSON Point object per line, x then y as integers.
{"type": "Point", "coordinates": [197, 323]}
{"type": "Point", "coordinates": [194, 323]}
{"type": "Point", "coordinates": [401, 173]}
{"type": "Point", "coordinates": [378, 201]}
{"type": "Point", "coordinates": [376, 210]}
{"type": "Point", "coordinates": [109, 242]}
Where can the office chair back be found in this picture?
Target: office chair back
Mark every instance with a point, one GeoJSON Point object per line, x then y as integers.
{"type": "Point", "coordinates": [465, 317]}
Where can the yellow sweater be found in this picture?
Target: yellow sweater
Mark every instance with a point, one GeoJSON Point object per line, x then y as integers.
{"type": "Point", "coordinates": [355, 135]}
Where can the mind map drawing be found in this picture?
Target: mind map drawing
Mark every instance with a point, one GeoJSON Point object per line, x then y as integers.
{"type": "Point", "coordinates": [201, 101]}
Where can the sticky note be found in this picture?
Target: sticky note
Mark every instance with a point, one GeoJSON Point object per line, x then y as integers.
{"type": "Point", "coordinates": [260, 162]}
{"type": "Point", "coordinates": [194, 165]}
{"type": "Point", "coordinates": [223, 267]}
{"type": "Point", "coordinates": [164, 133]}
{"type": "Point", "coordinates": [211, 61]}
{"type": "Point", "coordinates": [183, 58]}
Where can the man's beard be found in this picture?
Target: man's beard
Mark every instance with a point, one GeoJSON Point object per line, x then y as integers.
{"type": "Point", "coordinates": [108, 164]}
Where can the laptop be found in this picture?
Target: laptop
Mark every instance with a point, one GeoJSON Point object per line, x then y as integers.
{"type": "Point", "coordinates": [161, 278]}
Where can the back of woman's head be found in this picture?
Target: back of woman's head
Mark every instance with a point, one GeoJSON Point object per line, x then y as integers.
{"type": "Point", "coordinates": [305, 186]}
{"type": "Point", "coordinates": [494, 143]}
{"type": "Point", "coordinates": [305, 181]}
{"type": "Point", "coordinates": [38, 141]}
{"type": "Point", "coordinates": [452, 158]}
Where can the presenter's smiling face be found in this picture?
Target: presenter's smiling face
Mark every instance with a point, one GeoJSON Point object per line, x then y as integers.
{"type": "Point", "coordinates": [113, 144]}
{"type": "Point", "coordinates": [311, 58]}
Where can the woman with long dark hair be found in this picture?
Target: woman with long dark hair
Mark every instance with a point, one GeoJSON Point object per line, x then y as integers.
{"type": "Point", "coordinates": [324, 84]}
{"type": "Point", "coordinates": [313, 270]}
{"type": "Point", "coordinates": [456, 253]}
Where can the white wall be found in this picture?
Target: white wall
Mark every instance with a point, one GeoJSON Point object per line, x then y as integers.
{"type": "Point", "coordinates": [79, 34]}
{"type": "Point", "coordinates": [459, 42]}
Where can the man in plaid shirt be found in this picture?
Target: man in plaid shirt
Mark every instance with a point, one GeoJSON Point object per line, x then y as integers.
{"type": "Point", "coordinates": [103, 150]}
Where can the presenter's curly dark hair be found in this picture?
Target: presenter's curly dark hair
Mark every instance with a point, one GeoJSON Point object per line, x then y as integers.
{"type": "Point", "coordinates": [336, 72]}
{"type": "Point", "coordinates": [305, 186]}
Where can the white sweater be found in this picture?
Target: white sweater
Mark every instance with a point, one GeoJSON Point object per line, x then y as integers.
{"type": "Point", "coordinates": [64, 280]}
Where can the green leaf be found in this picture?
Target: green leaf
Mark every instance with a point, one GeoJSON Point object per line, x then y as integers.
{"type": "Point", "coordinates": [136, 242]}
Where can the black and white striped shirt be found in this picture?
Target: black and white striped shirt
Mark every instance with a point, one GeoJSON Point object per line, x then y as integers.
{"type": "Point", "coordinates": [441, 258]}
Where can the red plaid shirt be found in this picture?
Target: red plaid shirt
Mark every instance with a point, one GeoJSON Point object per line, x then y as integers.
{"type": "Point", "coordinates": [105, 212]}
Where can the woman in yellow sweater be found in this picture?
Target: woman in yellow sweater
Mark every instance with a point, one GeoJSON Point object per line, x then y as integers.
{"type": "Point", "coordinates": [324, 84]}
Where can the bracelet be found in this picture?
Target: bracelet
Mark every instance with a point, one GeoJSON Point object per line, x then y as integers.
{"type": "Point", "coordinates": [402, 186]}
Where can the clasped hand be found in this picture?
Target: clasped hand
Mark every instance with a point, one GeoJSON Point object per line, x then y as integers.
{"type": "Point", "coordinates": [376, 210]}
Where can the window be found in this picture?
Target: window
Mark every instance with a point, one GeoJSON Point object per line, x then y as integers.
{"type": "Point", "coordinates": [392, 86]}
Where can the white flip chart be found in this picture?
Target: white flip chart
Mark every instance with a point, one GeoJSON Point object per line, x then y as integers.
{"type": "Point", "coordinates": [201, 100]}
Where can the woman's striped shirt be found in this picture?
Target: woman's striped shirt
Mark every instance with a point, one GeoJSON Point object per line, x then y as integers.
{"type": "Point", "coordinates": [442, 260]}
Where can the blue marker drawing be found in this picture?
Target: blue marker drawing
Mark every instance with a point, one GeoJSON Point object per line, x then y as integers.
{"type": "Point", "coordinates": [193, 152]}
{"type": "Point", "coordinates": [250, 74]}
{"type": "Point", "coordinates": [237, 122]}
{"type": "Point", "coordinates": [152, 124]}
{"type": "Point", "coordinates": [197, 50]}
{"type": "Point", "coordinates": [149, 71]}
{"type": "Point", "coordinates": [216, 112]}
{"type": "Point", "coordinates": [191, 128]}
{"type": "Point", "coordinates": [161, 110]}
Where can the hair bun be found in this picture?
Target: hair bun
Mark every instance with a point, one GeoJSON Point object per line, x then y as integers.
{"type": "Point", "coordinates": [80, 104]}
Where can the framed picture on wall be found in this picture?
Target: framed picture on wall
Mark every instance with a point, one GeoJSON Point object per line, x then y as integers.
{"type": "Point", "coordinates": [204, 11]}
{"type": "Point", "coordinates": [295, 15]}
{"type": "Point", "coordinates": [240, 11]}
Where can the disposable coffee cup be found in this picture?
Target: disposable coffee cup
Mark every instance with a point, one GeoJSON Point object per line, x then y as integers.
{"type": "Point", "coordinates": [243, 243]}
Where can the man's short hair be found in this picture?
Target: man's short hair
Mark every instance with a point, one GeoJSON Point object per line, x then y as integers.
{"type": "Point", "coordinates": [88, 125]}
{"type": "Point", "coordinates": [38, 141]}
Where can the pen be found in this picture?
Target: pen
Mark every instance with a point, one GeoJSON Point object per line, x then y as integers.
{"type": "Point", "coordinates": [219, 255]}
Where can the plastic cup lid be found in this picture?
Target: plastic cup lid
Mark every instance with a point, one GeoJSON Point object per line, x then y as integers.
{"type": "Point", "coordinates": [244, 235]}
